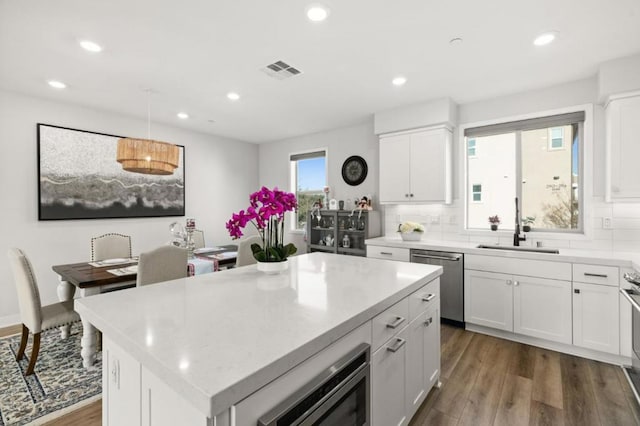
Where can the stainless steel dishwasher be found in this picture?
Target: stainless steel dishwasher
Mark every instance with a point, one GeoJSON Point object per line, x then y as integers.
{"type": "Point", "coordinates": [451, 282]}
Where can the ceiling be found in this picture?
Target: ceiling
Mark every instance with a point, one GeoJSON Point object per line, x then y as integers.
{"type": "Point", "coordinates": [193, 52]}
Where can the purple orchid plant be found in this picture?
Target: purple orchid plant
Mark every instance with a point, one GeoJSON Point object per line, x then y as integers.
{"type": "Point", "coordinates": [266, 212]}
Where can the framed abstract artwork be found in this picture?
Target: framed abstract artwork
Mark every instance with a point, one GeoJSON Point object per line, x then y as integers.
{"type": "Point", "coordinates": [79, 178]}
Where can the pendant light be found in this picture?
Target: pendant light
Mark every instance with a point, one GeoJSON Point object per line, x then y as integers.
{"type": "Point", "coordinates": [147, 156]}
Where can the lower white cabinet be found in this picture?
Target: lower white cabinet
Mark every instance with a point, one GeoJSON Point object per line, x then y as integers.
{"type": "Point", "coordinates": [596, 317]}
{"type": "Point", "coordinates": [431, 351]}
{"type": "Point", "coordinates": [531, 306]}
{"type": "Point", "coordinates": [120, 386]}
{"type": "Point", "coordinates": [388, 382]}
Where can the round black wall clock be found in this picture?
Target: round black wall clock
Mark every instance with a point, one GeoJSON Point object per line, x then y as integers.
{"type": "Point", "coordinates": [354, 170]}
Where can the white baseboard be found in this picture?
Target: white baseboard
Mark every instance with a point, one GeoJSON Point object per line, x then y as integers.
{"type": "Point", "coordinates": [10, 320]}
{"type": "Point", "coordinates": [554, 346]}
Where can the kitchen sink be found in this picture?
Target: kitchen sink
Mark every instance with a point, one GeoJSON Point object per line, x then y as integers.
{"type": "Point", "coordinates": [518, 248]}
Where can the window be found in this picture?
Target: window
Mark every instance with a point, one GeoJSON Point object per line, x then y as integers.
{"type": "Point", "coordinates": [539, 161]}
{"type": "Point", "coordinates": [308, 179]}
{"type": "Point", "coordinates": [476, 193]}
{"type": "Point", "coordinates": [471, 147]}
{"type": "Point", "coordinates": [556, 138]}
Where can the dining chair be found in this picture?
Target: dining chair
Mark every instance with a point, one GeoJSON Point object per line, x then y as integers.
{"type": "Point", "coordinates": [198, 239]}
{"type": "Point", "coordinates": [35, 317]}
{"type": "Point", "coordinates": [245, 255]}
{"type": "Point", "coordinates": [110, 246]}
{"type": "Point", "coordinates": [162, 264]}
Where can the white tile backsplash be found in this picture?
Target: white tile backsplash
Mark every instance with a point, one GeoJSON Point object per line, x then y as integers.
{"type": "Point", "coordinates": [446, 223]}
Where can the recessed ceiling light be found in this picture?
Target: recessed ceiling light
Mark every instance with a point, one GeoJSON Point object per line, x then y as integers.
{"type": "Point", "coordinates": [90, 46]}
{"type": "Point", "coordinates": [56, 84]}
{"type": "Point", "coordinates": [399, 81]}
{"type": "Point", "coordinates": [183, 115]}
{"type": "Point", "coordinates": [233, 96]}
{"type": "Point", "coordinates": [544, 39]}
{"type": "Point", "coordinates": [317, 12]}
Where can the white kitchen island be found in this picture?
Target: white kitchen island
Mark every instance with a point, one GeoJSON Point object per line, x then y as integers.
{"type": "Point", "coordinates": [226, 348]}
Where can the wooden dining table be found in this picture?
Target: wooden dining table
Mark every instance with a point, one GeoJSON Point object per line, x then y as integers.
{"type": "Point", "coordinates": [91, 280]}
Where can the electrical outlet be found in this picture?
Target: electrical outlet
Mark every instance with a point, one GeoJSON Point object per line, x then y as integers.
{"type": "Point", "coordinates": [435, 219]}
{"type": "Point", "coordinates": [453, 219]}
{"type": "Point", "coordinates": [606, 223]}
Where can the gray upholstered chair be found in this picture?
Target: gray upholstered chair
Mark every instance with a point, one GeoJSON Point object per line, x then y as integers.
{"type": "Point", "coordinates": [162, 264]}
{"type": "Point", "coordinates": [110, 246]}
{"type": "Point", "coordinates": [198, 239]}
{"type": "Point", "coordinates": [35, 317]}
{"type": "Point", "coordinates": [245, 255]}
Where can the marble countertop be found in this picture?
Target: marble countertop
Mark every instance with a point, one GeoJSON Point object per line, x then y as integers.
{"type": "Point", "coordinates": [610, 258]}
{"type": "Point", "coordinates": [216, 338]}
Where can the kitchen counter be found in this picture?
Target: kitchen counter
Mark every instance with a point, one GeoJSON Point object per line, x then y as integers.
{"type": "Point", "coordinates": [609, 258]}
{"type": "Point", "coordinates": [217, 338]}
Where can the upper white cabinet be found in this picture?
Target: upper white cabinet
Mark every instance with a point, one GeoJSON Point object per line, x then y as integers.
{"type": "Point", "coordinates": [623, 149]}
{"type": "Point", "coordinates": [415, 166]}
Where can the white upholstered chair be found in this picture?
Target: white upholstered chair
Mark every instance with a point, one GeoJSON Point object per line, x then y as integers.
{"type": "Point", "coordinates": [35, 317]}
{"type": "Point", "coordinates": [110, 246]}
{"type": "Point", "coordinates": [162, 264]}
{"type": "Point", "coordinates": [245, 255]}
{"type": "Point", "coordinates": [198, 239]}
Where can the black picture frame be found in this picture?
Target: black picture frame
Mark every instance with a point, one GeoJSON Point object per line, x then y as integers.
{"type": "Point", "coordinates": [354, 170]}
{"type": "Point", "coordinates": [79, 178]}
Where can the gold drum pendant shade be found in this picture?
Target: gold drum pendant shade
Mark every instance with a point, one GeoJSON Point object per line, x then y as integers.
{"type": "Point", "coordinates": [147, 156]}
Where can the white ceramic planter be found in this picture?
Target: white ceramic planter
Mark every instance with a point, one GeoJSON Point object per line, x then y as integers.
{"type": "Point", "coordinates": [273, 267]}
{"type": "Point", "coordinates": [411, 236]}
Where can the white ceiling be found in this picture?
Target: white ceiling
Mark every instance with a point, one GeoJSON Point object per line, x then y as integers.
{"type": "Point", "coordinates": [193, 52]}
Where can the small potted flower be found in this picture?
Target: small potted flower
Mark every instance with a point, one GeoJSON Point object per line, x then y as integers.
{"type": "Point", "coordinates": [527, 222]}
{"type": "Point", "coordinates": [411, 231]}
{"type": "Point", "coordinates": [266, 213]}
{"type": "Point", "coordinates": [494, 221]}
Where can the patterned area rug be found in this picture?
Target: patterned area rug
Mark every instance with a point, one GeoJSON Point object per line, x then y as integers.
{"type": "Point", "coordinates": [59, 380]}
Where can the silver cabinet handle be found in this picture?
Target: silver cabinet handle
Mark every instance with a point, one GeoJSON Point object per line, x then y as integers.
{"type": "Point", "coordinates": [428, 321]}
{"type": "Point", "coordinates": [410, 195]}
{"type": "Point", "coordinates": [396, 322]}
{"type": "Point", "coordinates": [589, 274]}
{"type": "Point", "coordinates": [428, 298]}
{"type": "Point", "coordinates": [399, 343]}
{"type": "Point", "coordinates": [386, 253]}
{"type": "Point", "coordinates": [516, 283]}
{"type": "Point", "coordinates": [509, 282]}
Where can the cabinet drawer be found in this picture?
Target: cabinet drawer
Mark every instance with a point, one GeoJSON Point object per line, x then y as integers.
{"type": "Point", "coordinates": [595, 274]}
{"type": "Point", "coordinates": [386, 324]}
{"type": "Point", "coordinates": [424, 298]}
{"type": "Point", "coordinates": [391, 253]}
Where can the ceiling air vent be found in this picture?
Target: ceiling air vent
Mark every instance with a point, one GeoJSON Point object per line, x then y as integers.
{"type": "Point", "coordinates": [280, 70]}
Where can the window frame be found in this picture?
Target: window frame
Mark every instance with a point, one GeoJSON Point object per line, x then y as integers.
{"type": "Point", "coordinates": [474, 192]}
{"type": "Point", "coordinates": [585, 231]}
{"type": "Point", "coordinates": [551, 138]}
{"type": "Point", "coordinates": [293, 181]}
{"type": "Point", "coordinates": [475, 148]}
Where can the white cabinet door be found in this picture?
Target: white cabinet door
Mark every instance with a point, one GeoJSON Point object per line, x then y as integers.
{"type": "Point", "coordinates": [623, 128]}
{"type": "Point", "coordinates": [431, 351]}
{"type": "Point", "coordinates": [415, 370]}
{"type": "Point", "coordinates": [395, 154]}
{"type": "Point", "coordinates": [542, 308]}
{"type": "Point", "coordinates": [120, 386]}
{"type": "Point", "coordinates": [596, 317]}
{"type": "Point", "coordinates": [488, 299]}
{"type": "Point", "coordinates": [431, 166]}
{"type": "Point", "coordinates": [388, 382]}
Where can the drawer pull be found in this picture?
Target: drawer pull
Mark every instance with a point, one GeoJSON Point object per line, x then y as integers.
{"type": "Point", "coordinates": [428, 321]}
{"type": "Point", "coordinates": [399, 343]}
{"type": "Point", "coordinates": [386, 253]}
{"type": "Point", "coordinates": [589, 274]}
{"type": "Point", "coordinates": [509, 282]}
{"type": "Point", "coordinates": [428, 298]}
{"type": "Point", "coordinates": [396, 322]}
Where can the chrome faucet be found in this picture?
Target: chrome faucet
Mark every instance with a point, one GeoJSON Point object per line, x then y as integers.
{"type": "Point", "coordinates": [516, 235]}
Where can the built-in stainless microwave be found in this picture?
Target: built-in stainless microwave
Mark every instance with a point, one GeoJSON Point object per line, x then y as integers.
{"type": "Point", "coordinates": [339, 396]}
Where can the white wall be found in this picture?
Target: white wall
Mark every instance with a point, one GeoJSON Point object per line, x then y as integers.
{"type": "Point", "coordinates": [220, 174]}
{"type": "Point", "coordinates": [341, 144]}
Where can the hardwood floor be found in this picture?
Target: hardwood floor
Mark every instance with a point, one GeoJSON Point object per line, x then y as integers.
{"type": "Point", "coordinates": [490, 381]}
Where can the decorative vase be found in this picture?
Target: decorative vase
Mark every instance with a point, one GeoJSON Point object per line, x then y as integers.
{"type": "Point", "coordinates": [494, 227]}
{"type": "Point", "coordinates": [526, 228]}
{"type": "Point", "coordinates": [273, 267]}
{"type": "Point", "coordinates": [411, 236]}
